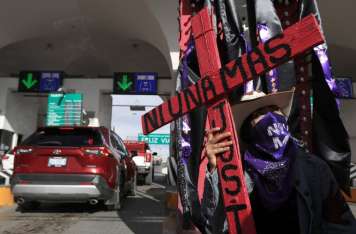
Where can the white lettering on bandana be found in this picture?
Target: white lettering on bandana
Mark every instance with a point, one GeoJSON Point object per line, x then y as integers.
{"type": "Point", "coordinates": [278, 129]}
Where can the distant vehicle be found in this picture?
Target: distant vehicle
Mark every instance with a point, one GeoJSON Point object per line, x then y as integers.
{"type": "Point", "coordinates": [72, 164]}
{"type": "Point", "coordinates": [7, 161]}
{"type": "Point", "coordinates": [157, 160]}
{"type": "Point", "coordinates": [142, 156]}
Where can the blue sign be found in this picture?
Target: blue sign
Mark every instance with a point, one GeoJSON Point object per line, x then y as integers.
{"type": "Point", "coordinates": [146, 83]}
{"type": "Point", "coordinates": [50, 81]}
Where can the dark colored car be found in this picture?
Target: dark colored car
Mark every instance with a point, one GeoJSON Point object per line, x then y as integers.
{"type": "Point", "coordinates": [72, 164]}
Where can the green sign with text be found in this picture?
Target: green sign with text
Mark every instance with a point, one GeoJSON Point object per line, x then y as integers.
{"type": "Point", "coordinates": [157, 139]}
{"type": "Point", "coordinates": [64, 109]}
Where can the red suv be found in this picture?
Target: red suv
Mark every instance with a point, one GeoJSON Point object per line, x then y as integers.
{"type": "Point", "coordinates": [72, 164]}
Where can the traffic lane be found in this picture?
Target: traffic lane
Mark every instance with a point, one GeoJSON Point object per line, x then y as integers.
{"type": "Point", "coordinates": [160, 170]}
{"type": "Point", "coordinates": [143, 213]}
{"type": "Point", "coordinates": [46, 220]}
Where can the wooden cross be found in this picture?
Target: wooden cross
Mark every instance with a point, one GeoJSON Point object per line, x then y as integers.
{"type": "Point", "coordinates": [212, 90]}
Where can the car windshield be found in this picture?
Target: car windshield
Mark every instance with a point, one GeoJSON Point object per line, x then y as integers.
{"type": "Point", "coordinates": [72, 137]}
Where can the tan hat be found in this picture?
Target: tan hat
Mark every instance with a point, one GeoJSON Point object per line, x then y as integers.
{"type": "Point", "coordinates": [255, 100]}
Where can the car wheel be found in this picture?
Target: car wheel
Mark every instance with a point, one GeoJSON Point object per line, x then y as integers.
{"type": "Point", "coordinates": [116, 201]}
{"type": "Point", "coordinates": [149, 177]}
{"type": "Point", "coordinates": [117, 204]}
{"type": "Point", "coordinates": [133, 187]}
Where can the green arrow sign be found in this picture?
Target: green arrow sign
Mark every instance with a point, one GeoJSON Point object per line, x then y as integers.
{"type": "Point", "coordinates": [29, 82]}
{"type": "Point", "coordinates": [156, 139]}
{"type": "Point", "coordinates": [124, 84]}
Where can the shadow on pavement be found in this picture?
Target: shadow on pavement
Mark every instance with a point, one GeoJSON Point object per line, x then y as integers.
{"type": "Point", "coordinates": [145, 212]}
{"type": "Point", "coordinates": [63, 208]}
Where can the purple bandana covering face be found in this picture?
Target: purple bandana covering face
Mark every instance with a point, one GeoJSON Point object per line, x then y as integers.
{"type": "Point", "coordinates": [271, 135]}
{"type": "Point", "coordinates": [270, 161]}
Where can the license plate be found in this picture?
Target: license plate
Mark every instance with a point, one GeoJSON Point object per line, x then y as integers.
{"type": "Point", "coordinates": [57, 162]}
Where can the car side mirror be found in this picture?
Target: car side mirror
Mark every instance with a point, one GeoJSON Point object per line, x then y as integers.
{"type": "Point", "coordinates": [154, 154]}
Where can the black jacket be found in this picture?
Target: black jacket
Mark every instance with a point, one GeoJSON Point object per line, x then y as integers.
{"type": "Point", "coordinates": [321, 207]}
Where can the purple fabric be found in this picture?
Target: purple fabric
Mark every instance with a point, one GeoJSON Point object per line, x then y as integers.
{"type": "Point", "coordinates": [248, 86]}
{"type": "Point", "coordinates": [270, 160]}
{"type": "Point", "coordinates": [185, 148]}
{"type": "Point", "coordinates": [272, 75]}
{"type": "Point", "coordinates": [185, 141]}
{"type": "Point", "coordinates": [184, 79]}
{"type": "Point", "coordinates": [325, 64]}
{"type": "Point", "coordinates": [271, 135]}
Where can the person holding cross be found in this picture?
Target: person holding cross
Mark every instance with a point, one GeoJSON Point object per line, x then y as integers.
{"type": "Point", "coordinates": [291, 191]}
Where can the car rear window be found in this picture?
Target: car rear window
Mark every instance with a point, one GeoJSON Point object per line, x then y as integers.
{"type": "Point", "coordinates": [65, 137]}
{"type": "Point", "coordinates": [135, 147]}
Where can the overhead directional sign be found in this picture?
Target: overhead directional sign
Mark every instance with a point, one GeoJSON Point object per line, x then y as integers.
{"type": "Point", "coordinates": [124, 83]}
{"type": "Point", "coordinates": [155, 139]}
{"type": "Point", "coordinates": [135, 83]}
{"type": "Point", "coordinates": [64, 109]}
{"type": "Point", "coordinates": [50, 81]}
{"type": "Point", "coordinates": [146, 83]}
{"type": "Point", "coordinates": [29, 81]}
{"type": "Point", "coordinates": [40, 81]}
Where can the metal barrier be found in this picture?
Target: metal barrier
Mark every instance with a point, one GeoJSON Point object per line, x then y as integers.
{"type": "Point", "coordinates": [6, 197]}
{"type": "Point", "coordinates": [5, 176]}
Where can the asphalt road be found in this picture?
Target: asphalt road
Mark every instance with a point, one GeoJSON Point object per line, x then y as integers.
{"type": "Point", "coordinates": [143, 213]}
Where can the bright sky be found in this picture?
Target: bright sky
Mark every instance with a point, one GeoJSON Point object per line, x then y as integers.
{"type": "Point", "coordinates": [127, 123]}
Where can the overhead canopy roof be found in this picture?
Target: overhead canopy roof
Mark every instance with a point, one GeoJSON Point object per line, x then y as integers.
{"type": "Point", "coordinates": [91, 37]}
{"type": "Point", "coordinates": [81, 37]}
